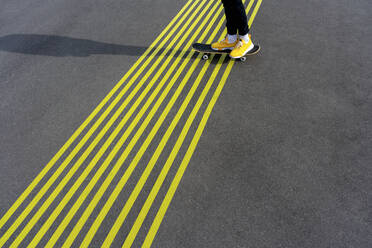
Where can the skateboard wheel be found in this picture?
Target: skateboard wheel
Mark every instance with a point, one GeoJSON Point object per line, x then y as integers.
{"type": "Point", "coordinates": [205, 57]}
{"type": "Point", "coordinates": [243, 59]}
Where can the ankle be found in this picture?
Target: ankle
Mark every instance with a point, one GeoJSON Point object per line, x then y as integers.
{"type": "Point", "coordinates": [232, 38]}
{"type": "Point", "coordinates": [245, 38]}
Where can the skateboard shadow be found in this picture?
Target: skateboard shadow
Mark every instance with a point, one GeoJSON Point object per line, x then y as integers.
{"type": "Point", "coordinates": [216, 59]}
{"type": "Point", "coordinates": [61, 46]}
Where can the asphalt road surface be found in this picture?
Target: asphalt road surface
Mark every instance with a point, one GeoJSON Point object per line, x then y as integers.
{"type": "Point", "coordinates": [113, 133]}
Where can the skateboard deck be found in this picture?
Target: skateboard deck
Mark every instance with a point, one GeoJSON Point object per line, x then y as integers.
{"type": "Point", "coordinates": [206, 49]}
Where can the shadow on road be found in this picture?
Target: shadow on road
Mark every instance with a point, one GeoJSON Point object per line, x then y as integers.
{"type": "Point", "coordinates": [60, 46]}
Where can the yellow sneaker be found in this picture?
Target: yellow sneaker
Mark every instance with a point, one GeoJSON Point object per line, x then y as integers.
{"type": "Point", "coordinates": [223, 45]}
{"type": "Point", "coordinates": [241, 49]}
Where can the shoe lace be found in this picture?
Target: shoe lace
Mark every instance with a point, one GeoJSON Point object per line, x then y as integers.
{"type": "Point", "coordinates": [239, 44]}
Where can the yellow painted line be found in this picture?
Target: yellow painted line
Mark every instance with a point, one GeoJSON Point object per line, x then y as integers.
{"type": "Point", "coordinates": [123, 214]}
{"type": "Point", "coordinates": [96, 177]}
{"type": "Point", "coordinates": [55, 158]}
{"type": "Point", "coordinates": [254, 13]}
{"type": "Point", "coordinates": [128, 205]}
{"type": "Point", "coordinates": [173, 187]}
{"type": "Point", "coordinates": [161, 98]}
{"type": "Point", "coordinates": [249, 8]}
{"type": "Point", "coordinates": [146, 173]}
{"type": "Point", "coordinates": [146, 207]}
{"type": "Point", "coordinates": [154, 191]}
{"type": "Point", "coordinates": [129, 170]}
{"type": "Point", "coordinates": [86, 172]}
{"type": "Point", "coordinates": [131, 146]}
{"type": "Point", "coordinates": [85, 154]}
{"type": "Point", "coordinates": [110, 238]}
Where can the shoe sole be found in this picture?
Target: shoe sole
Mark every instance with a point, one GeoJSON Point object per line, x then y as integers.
{"type": "Point", "coordinates": [247, 51]}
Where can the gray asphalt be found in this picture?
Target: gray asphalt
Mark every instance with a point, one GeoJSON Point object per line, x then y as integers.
{"type": "Point", "coordinates": [285, 159]}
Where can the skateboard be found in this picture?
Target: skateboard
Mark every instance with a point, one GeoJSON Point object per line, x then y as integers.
{"type": "Point", "coordinates": [206, 49]}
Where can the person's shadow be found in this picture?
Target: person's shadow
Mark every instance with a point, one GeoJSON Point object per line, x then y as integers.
{"type": "Point", "coordinates": [60, 46]}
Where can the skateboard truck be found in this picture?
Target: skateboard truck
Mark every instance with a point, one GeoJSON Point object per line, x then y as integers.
{"type": "Point", "coordinates": [206, 57]}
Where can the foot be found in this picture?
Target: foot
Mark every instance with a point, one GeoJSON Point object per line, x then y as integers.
{"type": "Point", "coordinates": [224, 45]}
{"type": "Point", "coordinates": [241, 48]}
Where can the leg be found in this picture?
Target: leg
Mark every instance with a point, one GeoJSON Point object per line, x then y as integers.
{"type": "Point", "coordinates": [236, 18]}
{"type": "Point", "coordinates": [231, 26]}
{"type": "Point", "coordinates": [245, 44]}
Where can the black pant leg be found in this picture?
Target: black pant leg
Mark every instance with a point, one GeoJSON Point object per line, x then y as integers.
{"type": "Point", "coordinates": [236, 18]}
{"type": "Point", "coordinates": [231, 24]}
{"type": "Point", "coordinates": [241, 17]}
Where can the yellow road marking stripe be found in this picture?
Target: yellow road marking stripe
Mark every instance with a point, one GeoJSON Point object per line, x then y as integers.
{"type": "Point", "coordinates": [164, 206]}
{"type": "Point", "coordinates": [128, 205]}
{"type": "Point", "coordinates": [151, 197]}
{"type": "Point", "coordinates": [135, 228]}
{"type": "Point", "coordinates": [76, 185]}
{"type": "Point", "coordinates": [79, 201]}
{"type": "Point", "coordinates": [249, 8]}
{"type": "Point", "coordinates": [254, 13]}
{"type": "Point", "coordinates": [129, 240]}
{"type": "Point", "coordinates": [172, 189]}
{"type": "Point", "coordinates": [55, 158]}
{"type": "Point", "coordinates": [25, 232]}
{"type": "Point", "coordinates": [109, 239]}
{"type": "Point", "coordinates": [128, 172]}
{"type": "Point", "coordinates": [89, 149]}
{"type": "Point", "coordinates": [90, 186]}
